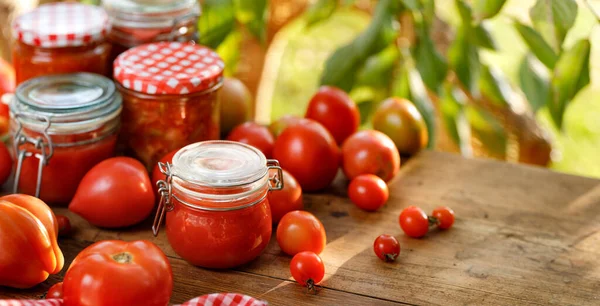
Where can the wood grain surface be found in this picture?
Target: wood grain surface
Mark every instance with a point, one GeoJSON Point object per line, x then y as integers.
{"type": "Point", "coordinates": [523, 236]}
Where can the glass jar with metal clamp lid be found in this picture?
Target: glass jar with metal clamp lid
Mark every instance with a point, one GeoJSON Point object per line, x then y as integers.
{"type": "Point", "coordinates": [214, 200]}
{"type": "Point", "coordinates": [62, 125]}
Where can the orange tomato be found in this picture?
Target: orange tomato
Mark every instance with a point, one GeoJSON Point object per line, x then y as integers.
{"type": "Point", "coordinates": [300, 231]}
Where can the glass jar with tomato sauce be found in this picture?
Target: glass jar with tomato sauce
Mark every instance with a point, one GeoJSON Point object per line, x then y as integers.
{"type": "Point", "coordinates": [214, 197]}
{"type": "Point", "coordinates": [60, 38]}
{"type": "Point", "coordinates": [170, 97]}
{"type": "Point", "coordinates": [62, 125]}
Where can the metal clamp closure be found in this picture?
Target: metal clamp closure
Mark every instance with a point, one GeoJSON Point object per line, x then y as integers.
{"type": "Point", "coordinates": [276, 181]}
{"type": "Point", "coordinates": [166, 195]}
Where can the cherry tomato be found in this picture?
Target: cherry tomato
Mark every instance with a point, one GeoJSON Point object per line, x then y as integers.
{"type": "Point", "coordinates": [277, 127]}
{"type": "Point", "coordinates": [444, 217]}
{"type": "Point", "coordinates": [402, 122]}
{"type": "Point", "coordinates": [55, 292]}
{"type": "Point", "coordinates": [300, 231]}
{"type": "Point", "coordinates": [157, 175]}
{"type": "Point", "coordinates": [285, 200]}
{"type": "Point", "coordinates": [386, 247]}
{"type": "Point", "coordinates": [309, 153]}
{"type": "Point", "coordinates": [333, 108]}
{"type": "Point", "coordinates": [64, 225]}
{"type": "Point", "coordinates": [414, 222]}
{"type": "Point", "coordinates": [115, 193]}
{"type": "Point", "coordinates": [307, 269]}
{"type": "Point", "coordinates": [4, 117]}
{"type": "Point", "coordinates": [370, 152]}
{"type": "Point", "coordinates": [368, 192]}
{"type": "Point", "coordinates": [114, 272]}
{"type": "Point", "coordinates": [5, 164]}
{"type": "Point", "coordinates": [236, 104]}
{"type": "Point", "coordinates": [255, 135]}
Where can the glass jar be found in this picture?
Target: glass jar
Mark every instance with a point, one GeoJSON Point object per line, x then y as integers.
{"type": "Point", "coordinates": [60, 38]}
{"type": "Point", "coordinates": [170, 97]}
{"type": "Point", "coordinates": [138, 22]}
{"type": "Point", "coordinates": [62, 125]}
{"type": "Point", "coordinates": [214, 197]}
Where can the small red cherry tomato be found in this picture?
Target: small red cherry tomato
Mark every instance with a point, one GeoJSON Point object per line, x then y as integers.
{"type": "Point", "coordinates": [64, 225]}
{"type": "Point", "coordinates": [386, 247]}
{"type": "Point", "coordinates": [334, 109]}
{"type": "Point", "coordinates": [368, 191]}
{"type": "Point", "coordinates": [55, 292]}
{"type": "Point", "coordinates": [444, 217]}
{"type": "Point", "coordinates": [307, 269]}
{"type": "Point", "coordinates": [300, 231]}
{"type": "Point", "coordinates": [254, 134]}
{"type": "Point", "coordinates": [414, 222]}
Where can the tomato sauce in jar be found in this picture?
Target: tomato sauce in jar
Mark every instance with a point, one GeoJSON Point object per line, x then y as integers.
{"type": "Point", "coordinates": [214, 197]}
{"type": "Point", "coordinates": [170, 97]}
{"type": "Point", "coordinates": [62, 125]}
{"type": "Point", "coordinates": [60, 38]}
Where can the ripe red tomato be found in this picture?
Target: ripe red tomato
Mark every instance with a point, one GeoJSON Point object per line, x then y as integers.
{"type": "Point", "coordinates": [300, 231]}
{"type": "Point", "coordinates": [157, 175]}
{"type": "Point", "coordinates": [278, 126]}
{"type": "Point", "coordinates": [114, 272]}
{"type": "Point", "coordinates": [307, 269]}
{"type": "Point", "coordinates": [370, 152]}
{"type": "Point", "coordinates": [444, 217]}
{"type": "Point", "coordinates": [254, 134]}
{"type": "Point", "coordinates": [64, 225]}
{"type": "Point", "coordinates": [55, 292]}
{"type": "Point", "coordinates": [386, 247]}
{"type": "Point", "coordinates": [309, 153]}
{"type": "Point", "coordinates": [368, 192]}
{"type": "Point", "coordinates": [285, 200]}
{"type": "Point", "coordinates": [115, 193]}
{"type": "Point", "coordinates": [5, 163]}
{"type": "Point", "coordinates": [414, 222]}
{"type": "Point", "coordinates": [332, 107]}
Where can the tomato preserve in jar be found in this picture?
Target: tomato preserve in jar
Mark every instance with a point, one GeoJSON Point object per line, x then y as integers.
{"type": "Point", "coordinates": [62, 125]}
{"type": "Point", "coordinates": [214, 197]}
{"type": "Point", "coordinates": [60, 38]}
{"type": "Point", "coordinates": [170, 97]}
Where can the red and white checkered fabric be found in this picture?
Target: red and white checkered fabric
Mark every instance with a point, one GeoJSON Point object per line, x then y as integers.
{"type": "Point", "coordinates": [224, 299]}
{"type": "Point", "coordinates": [48, 302]}
{"type": "Point", "coordinates": [169, 68]}
{"type": "Point", "coordinates": [58, 25]}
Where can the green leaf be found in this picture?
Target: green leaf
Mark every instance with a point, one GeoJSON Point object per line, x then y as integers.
{"type": "Point", "coordinates": [537, 44]}
{"type": "Point", "coordinates": [465, 11]}
{"type": "Point", "coordinates": [571, 74]}
{"type": "Point", "coordinates": [413, 5]}
{"type": "Point", "coordinates": [378, 68]}
{"type": "Point", "coordinates": [483, 37]}
{"type": "Point", "coordinates": [534, 79]}
{"type": "Point", "coordinates": [216, 22]}
{"type": "Point", "coordinates": [463, 57]}
{"type": "Point", "coordinates": [553, 19]}
{"type": "Point", "coordinates": [487, 129]}
{"type": "Point", "coordinates": [485, 9]}
{"type": "Point", "coordinates": [495, 86]}
{"type": "Point", "coordinates": [452, 107]}
{"type": "Point", "coordinates": [253, 14]}
{"type": "Point", "coordinates": [91, 2]}
{"type": "Point", "coordinates": [319, 11]}
{"type": "Point", "coordinates": [431, 64]}
{"type": "Point", "coordinates": [428, 12]}
{"type": "Point", "coordinates": [229, 51]}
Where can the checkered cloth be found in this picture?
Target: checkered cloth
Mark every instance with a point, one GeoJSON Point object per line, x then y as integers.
{"type": "Point", "coordinates": [169, 68]}
{"type": "Point", "coordinates": [57, 25]}
{"type": "Point", "coordinates": [224, 299]}
{"type": "Point", "coordinates": [48, 302]}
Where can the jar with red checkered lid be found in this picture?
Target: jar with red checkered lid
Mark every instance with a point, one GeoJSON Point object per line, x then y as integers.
{"type": "Point", "coordinates": [60, 38]}
{"type": "Point", "coordinates": [170, 97]}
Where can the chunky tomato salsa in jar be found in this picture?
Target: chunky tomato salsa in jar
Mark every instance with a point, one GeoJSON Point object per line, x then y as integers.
{"type": "Point", "coordinates": [60, 38]}
{"type": "Point", "coordinates": [62, 125]}
{"type": "Point", "coordinates": [214, 197]}
{"type": "Point", "coordinates": [170, 97]}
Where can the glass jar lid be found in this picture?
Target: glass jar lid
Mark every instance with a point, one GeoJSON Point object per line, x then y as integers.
{"type": "Point", "coordinates": [150, 13]}
{"type": "Point", "coordinates": [69, 103]}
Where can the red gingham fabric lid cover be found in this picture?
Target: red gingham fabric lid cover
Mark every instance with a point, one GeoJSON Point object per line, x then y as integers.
{"type": "Point", "coordinates": [224, 299]}
{"type": "Point", "coordinates": [48, 302]}
{"type": "Point", "coordinates": [169, 68]}
{"type": "Point", "coordinates": [66, 24]}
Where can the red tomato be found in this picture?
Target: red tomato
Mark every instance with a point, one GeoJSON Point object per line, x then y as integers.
{"type": "Point", "coordinates": [115, 193]}
{"type": "Point", "coordinates": [4, 118]}
{"type": "Point", "coordinates": [309, 153]}
{"type": "Point", "coordinates": [370, 152]}
{"type": "Point", "coordinates": [7, 77]}
{"type": "Point", "coordinates": [333, 108]}
{"type": "Point", "coordinates": [368, 192]}
{"type": "Point", "coordinates": [300, 231]}
{"type": "Point", "coordinates": [55, 292]}
{"type": "Point", "coordinates": [307, 269]}
{"type": "Point", "coordinates": [5, 163]}
{"type": "Point", "coordinates": [386, 247]}
{"type": "Point", "coordinates": [285, 200]}
{"type": "Point", "coordinates": [254, 134]}
{"type": "Point", "coordinates": [278, 126]}
{"type": "Point", "coordinates": [444, 217]}
{"type": "Point", "coordinates": [414, 222]}
{"type": "Point", "coordinates": [157, 175]}
{"type": "Point", "coordinates": [64, 225]}
{"type": "Point", "coordinates": [114, 272]}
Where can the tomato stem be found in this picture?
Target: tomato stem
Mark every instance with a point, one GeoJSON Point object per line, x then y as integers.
{"type": "Point", "coordinates": [433, 220]}
{"type": "Point", "coordinates": [310, 284]}
{"type": "Point", "coordinates": [390, 257]}
{"type": "Point", "coordinates": [123, 257]}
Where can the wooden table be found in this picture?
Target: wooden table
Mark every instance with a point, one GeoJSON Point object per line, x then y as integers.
{"type": "Point", "coordinates": [523, 235]}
